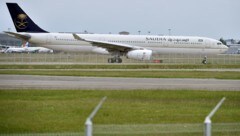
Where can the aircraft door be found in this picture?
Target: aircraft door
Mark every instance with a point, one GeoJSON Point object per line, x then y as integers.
{"type": "Point", "coordinates": [166, 42]}
{"type": "Point", "coordinates": [102, 39]}
{"type": "Point", "coordinates": [208, 44]}
{"type": "Point", "coordinates": [49, 38]}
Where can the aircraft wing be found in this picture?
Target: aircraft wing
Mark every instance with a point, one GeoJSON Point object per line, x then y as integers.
{"type": "Point", "coordinates": [24, 37]}
{"type": "Point", "coordinates": [110, 46]}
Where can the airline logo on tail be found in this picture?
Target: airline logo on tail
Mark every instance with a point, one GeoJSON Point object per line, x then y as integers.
{"type": "Point", "coordinates": [21, 21]}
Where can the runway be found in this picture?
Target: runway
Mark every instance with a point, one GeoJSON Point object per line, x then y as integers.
{"type": "Point", "coordinates": [107, 83]}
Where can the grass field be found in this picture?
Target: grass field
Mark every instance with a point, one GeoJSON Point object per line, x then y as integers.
{"type": "Point", "coordinates": [65, 111]}
{"type": "Point", "coordinates": [128, 73]}
{"type": "Point", "coordinates": [115, 66]}
{"type": "Point", "coordinates": [133, 112]}
{"type": "Point", "coordinates": [136, 70]}
{"type": "Point", "coordinates": [232, 59]}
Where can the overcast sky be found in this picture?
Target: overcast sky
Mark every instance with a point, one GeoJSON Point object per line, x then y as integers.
{"type": "Point", "coordinates": [209, 18]}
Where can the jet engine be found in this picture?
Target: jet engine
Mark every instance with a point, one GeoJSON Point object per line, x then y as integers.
{"type": "Point", "coordinates": [100, 50]}
{"type": "Point", "coordinates": [140, 54]}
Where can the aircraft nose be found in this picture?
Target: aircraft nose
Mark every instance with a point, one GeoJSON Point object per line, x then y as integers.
{"type": "Point", "coordinates": [224, 48]}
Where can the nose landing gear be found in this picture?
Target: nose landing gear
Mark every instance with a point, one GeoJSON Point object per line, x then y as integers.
{"type": "Point", "coordinates": [204, 61]}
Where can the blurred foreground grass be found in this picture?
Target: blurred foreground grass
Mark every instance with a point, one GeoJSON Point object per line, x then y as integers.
{"type": "Point", "coordinates": [49, 111]}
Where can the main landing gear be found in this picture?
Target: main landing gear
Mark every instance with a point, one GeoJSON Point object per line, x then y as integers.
{"type": "Point", "coordinates": [116, 57]}
{"type": "Point", "coordinates": [115, 60]}
{"type": "Point", "coordinates": [204, 61]}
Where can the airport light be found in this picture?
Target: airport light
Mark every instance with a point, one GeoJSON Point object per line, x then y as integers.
{"type": "Point", "coordinates": [88, 122]}
{"type": "Point", "coordinates": [139, 32]}
{"type": "Point", "coordinates": [207, 122]}
{"type": "Point", "coordinates": [169, 31]}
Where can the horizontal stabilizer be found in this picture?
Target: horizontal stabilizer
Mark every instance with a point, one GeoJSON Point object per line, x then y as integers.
{"type": "Point", "coordinates": [24, 37]}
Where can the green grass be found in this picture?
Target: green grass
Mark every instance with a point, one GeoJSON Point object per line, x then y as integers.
{"type": "Point", "coordinates": [48, 111]}
{"type": "Point", "coordinates": [129, 73]}
{"type": "Point", "coordinates": [114, 66]}
{"type": "Point", "coordinates": [123, 70]}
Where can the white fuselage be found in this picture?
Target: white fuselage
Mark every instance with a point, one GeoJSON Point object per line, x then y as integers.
{"type": "Point", "coordinates": [158, 44]}
{"type": "Point", "coordinates": [38, 50]}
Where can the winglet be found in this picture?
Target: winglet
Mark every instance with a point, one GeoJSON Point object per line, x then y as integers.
{"type": "Point", "coordinates": [78, 37]}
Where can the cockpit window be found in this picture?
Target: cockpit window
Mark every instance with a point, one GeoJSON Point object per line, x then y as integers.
{"type": "Point", "coordinates": [219, 43]}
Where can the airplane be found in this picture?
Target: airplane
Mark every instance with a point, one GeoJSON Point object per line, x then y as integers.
{"type": "Point", "coordinates": [14, 50]}
{"type": "Point", "coordinates": [139, 47]}
{"type": "Point", "coordinates": [3, 48]}
{"type": "Point", "coordinates": [26, 49]}
{"type": "Point", "coordinates": [36, 49]}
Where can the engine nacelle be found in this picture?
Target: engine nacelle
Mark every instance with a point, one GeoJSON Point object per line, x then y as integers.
{"type": "Point", "coordinates": [140, 54]}
{"type": "Point", "coordinates": [100, 50]}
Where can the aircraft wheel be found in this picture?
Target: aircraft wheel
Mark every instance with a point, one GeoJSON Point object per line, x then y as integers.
{"type": "Point", "coordinates": [114, 60]}
{"type": "Point", "coordinates": [118, 60]}
{"type": "Point", "coordinates": [111, 60]}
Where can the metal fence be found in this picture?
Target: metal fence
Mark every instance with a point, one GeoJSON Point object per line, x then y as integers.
{"type": "Point", "coordinates": [194, 129]}
{"type": "Point", "coordinates": [166, 129]}
{"type": "Point", "coordinates": [231, 59]}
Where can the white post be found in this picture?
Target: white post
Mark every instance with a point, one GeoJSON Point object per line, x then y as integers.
{"type": "Point", "coordinates": [207, 126]}
{"type": "Point", "coordinates": [88, 122]}
{"type": "Point", "coordinates": [207, 122]}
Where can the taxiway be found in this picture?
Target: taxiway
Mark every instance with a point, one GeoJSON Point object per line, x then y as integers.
{"type": "Point", "coordinates": [111, 83]}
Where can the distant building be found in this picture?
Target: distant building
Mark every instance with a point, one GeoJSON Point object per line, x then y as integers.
{"type": "Point", "coordinates": [9, 41]}
{"type": "Point", "coordinates": [230, 42]}
{"type": "Point", "coordinates": [124, 33]}
{"type": "Point", "coordinates": [234, 46]}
